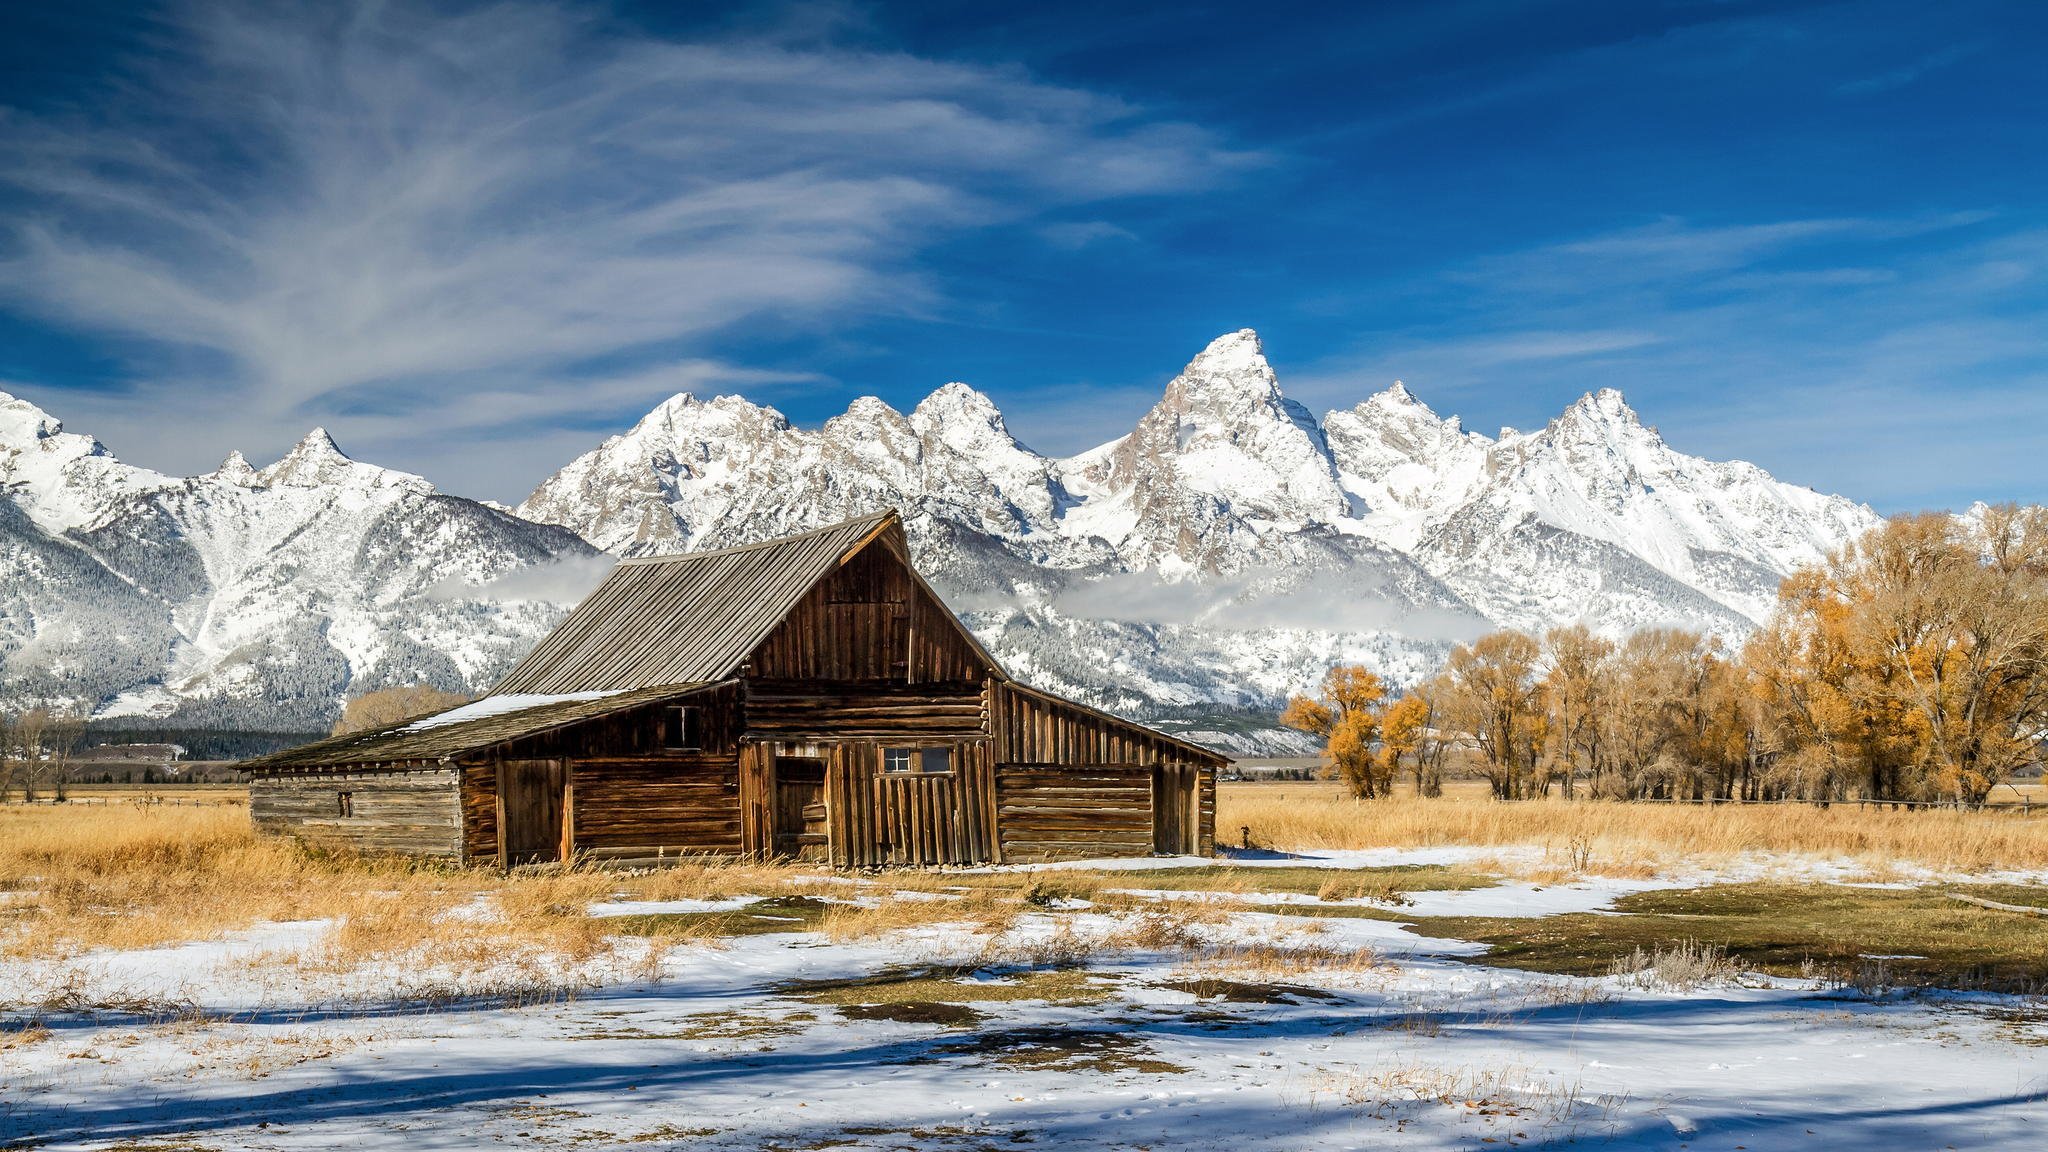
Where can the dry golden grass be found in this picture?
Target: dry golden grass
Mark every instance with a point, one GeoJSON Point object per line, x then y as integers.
{"type": "Point", "coordinates": [1615, 838]}
{"type": "Point", "coordinates": [130, 876]}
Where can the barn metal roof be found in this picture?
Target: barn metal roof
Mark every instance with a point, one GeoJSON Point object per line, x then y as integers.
{"type": "Point", "coordinates": [693, 617]}
{"type": "Point", "coordinates": [468, 728]}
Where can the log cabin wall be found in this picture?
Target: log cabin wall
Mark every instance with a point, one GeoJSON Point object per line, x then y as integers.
{"type": "Point", "coordinates": [1073, 783]}
{"type": "Point", "coordinates": [630, 798]}
{"type": "Point", "coordinates": [413, 811]}
{"type": "Point", "coordinates": [1053, 812]}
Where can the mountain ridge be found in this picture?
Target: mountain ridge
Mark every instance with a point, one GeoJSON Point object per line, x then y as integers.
{"type": "Point", "coordinates": [1219, 554]}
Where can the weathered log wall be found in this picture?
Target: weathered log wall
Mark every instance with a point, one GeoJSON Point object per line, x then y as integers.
{"type": "Point", "coordinates": [809, 710]}
{"type": "Point", "coordinates": [1074, 783]}
{"type": "Point", "coordinates": [413, 812]}
{"type": "Point", "coordinates": [655, 808]}
{"type": "Point", "coordinates": [1061, 812]}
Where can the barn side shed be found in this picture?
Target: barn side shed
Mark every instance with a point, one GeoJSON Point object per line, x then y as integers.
{"type": "Point", "coordinates": [807, 698]}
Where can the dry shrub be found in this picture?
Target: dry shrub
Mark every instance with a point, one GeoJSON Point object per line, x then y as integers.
{"type": "Point", "coordinates": [1620, 838]}
{"type": "Point", "coordinates": [846, 923]}
{"type": "Point", "coordinates": [1342, 886]}
{"type": "Point", "coordinates": [1271, 960]}
{"type": "Point", "coordinates": [1496, 1090]}
{"type": "Point", "coordinates": [1681, 967]}
{"type": "Point", "coordinates": [723, 878]}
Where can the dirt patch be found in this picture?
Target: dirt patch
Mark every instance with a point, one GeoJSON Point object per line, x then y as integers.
{"type": "Point", "coordinates": [948, 1015]}
{"type": "Point", "coordinates": [773, 914]}
{"type": "Point", "coordinates": [1243, 992]}
{"type": "Point", "coordinates": [1053, 1049]}
{"type": "Point", "coordinates": [1868, 938]}
{"type": "Point", "coordinates": [730, 1025]}
{"type": "Point", "coordinates": [956, 984]}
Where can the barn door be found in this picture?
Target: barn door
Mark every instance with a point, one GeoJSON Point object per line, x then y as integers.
{"type": "Point", "coordinates": [532, 806]}
{"type": "Point", "coordinates": [1173, 811]}
{"type": "Point", "coordinates": [802, 829]}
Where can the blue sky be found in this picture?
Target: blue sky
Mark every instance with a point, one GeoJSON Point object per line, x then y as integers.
{"type": "Point", "coordinates": [473, 239]}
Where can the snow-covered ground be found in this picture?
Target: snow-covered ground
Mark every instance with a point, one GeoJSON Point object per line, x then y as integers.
{"type": "Point", "coordinates": [708, 1047]}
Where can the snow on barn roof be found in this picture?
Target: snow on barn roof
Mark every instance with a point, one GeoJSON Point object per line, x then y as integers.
{"type": "Point", "coordinates": [479, 724]}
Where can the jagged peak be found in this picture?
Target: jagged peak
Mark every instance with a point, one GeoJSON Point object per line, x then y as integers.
{"type": "Point", "coordinates": [1605, 405]}
{"type": "Point", "coordinates": [23, 424]}
{"type": "Point", "coordinates": [1396, 398]}
{"type": "Point", "coordinates": [1233, 364]}
{"type": "Point", "coordinates": [684, 409]}
{"type": "Point", "coordinates": [957, 400]}
{"type": "Point", "coordinates": [870, 408]}
{"type": "Point", "coordinates": [236, 469]}
{"type": "Point", "coordinates": [316, 461]}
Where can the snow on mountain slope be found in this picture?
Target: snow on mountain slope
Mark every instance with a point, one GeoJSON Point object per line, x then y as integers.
{"type": "Point", "coordinates": [60, 479]}
{"type": "Point", "coordinates": [1220, 467]}
{"type": "Point", "coordinates": [246, 596]}
{"type": "Point", "coordinates": [1403, 464]}
{"type": "Point", "coordinates": [1223, 552]}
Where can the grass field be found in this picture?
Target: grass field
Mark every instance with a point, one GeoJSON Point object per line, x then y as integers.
{"type": "Point", "coordinates": [1631, 839]}
{"type": "Point", "coordinates": [168, 979]}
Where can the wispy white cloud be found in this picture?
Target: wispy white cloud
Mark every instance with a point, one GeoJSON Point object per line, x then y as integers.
{"type": "Point", "coordinates": [1902, 76]}
{"type": "Point", "coordinates": [1073, 234]}
{"type": "Point", "coordinates": [432, 214]}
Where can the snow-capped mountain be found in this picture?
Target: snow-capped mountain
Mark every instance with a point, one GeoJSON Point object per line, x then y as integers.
{"type": "Point", "coordinates": [1223, 552]}
{"type": "Point", "coordinates": [247, 597]}
{"type": "Point", "coordinates": [1231, 545]}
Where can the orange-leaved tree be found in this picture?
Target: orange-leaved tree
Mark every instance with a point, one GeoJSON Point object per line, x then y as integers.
{"type": "Point", "coordinates": [1345, 715]}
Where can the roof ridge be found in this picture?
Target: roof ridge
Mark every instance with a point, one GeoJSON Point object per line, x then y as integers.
{"type": "Point", "coordinates": [877, 518]}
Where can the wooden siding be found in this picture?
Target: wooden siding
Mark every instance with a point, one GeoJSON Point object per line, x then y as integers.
{"type": "Point", "coordinates": [414, 813]}
{"type": "Point", "coordinates": [1205, 799]}
{"type": "Point", "coordinates": [1034, 728]}
{"type": "Point", "coordinates": [1061, 812]}
{"type": "Point", "coordinates": [876, 818]}
{"type": "Point", "coordinates": [638, 733]}
{"type": "Point", "coordinates": [870, 620]}
{"type": "Point", "coordinates": [480, 812]}
{"type": "Point", "coordinates": [881, 818]}
{"type": "Point", "coordinates": [806, 710]}
{"type": "Point", "coordinates": [655, 808]}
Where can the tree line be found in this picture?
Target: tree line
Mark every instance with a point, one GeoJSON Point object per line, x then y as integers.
{"type": "Point", "coordinates": [1911, 665]}
{"type": "Point", "coordinates": [38, 751]}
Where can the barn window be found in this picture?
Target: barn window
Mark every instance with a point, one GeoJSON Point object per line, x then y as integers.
{"type": "Point", "coordinates": [345, 803]}
{"type": "Point", "coordinates": [681, 730]}
{"type": "Point", "coordinates": [917, 759]}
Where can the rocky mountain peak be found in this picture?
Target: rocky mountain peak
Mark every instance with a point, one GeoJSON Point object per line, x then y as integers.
{"type": "Point", "coordinates": [1604, 408]}
{"type": "Point", "coordinates": [318, 462]}
{"type": "Point", "coordinates": [236, 470]}
{"type": "Point", "coordinates": [23, 424]}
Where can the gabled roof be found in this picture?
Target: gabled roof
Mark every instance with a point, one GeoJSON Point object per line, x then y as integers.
{"type": "Point", "coordinates": [695, 616]}
{"type": "Point", "coordinates": [469, 727]}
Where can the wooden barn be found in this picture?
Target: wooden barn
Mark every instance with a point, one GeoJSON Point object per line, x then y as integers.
{"type": "Point", "coordinates": [806, 698]}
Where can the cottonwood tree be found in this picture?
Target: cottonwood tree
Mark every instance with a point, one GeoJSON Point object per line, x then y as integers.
{"type": "Point", "coordinates": [1493, 698]}
{"type": "Point", "coordinates": [1409, 736]}
{"type": "Point", "coordinates": [1345, 716]}
{"type": "Point", "coordinates": [1575, 688]}
{"type": "Point", "coordinates": [1919, 653]}
{"type": "Point", "coordinates": [387, 706]}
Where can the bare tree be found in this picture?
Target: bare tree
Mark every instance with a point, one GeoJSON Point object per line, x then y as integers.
{"type": "Point", "coordinates": [387, 706]}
